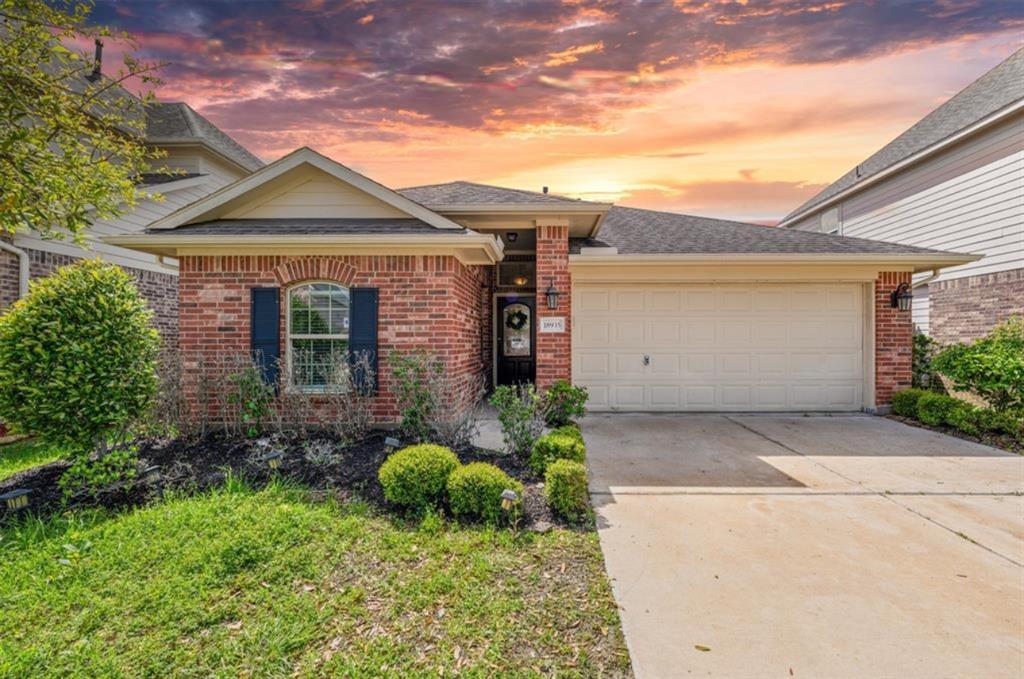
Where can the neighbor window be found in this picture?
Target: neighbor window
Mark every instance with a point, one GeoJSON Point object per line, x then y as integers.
{"type": "Point", "coordinates": [318, 320]}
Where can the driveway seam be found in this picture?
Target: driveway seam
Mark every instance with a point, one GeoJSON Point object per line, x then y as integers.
{"type": "Point", "coordinates": [882, 494]}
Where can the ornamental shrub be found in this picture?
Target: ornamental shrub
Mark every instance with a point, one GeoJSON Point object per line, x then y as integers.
{"type": "Point", "coordinates": [78, 358]}
{"type": "Point", "coordinates": [921, 363]}
{"type": "Point", "coordinates": [934, 409]}
{"type": "Point", "coordinates": [992, 367]}
{"type": "Point", "coordinates": [569, 430]}
{"type": "Point", "coordinates": [474, 492]}
{"type": "Point", "coordinates": [904, 402]}
{"type": "Point", "coordinates": [415, 477]}
{"type": "Point", "coordinates": [565, 485]}
{"type": "Point", "coordinates": [562, 402]}
{"type": "Point", "coordinates": [996, 422]}
{"type": "Point", "coordinates": [520, 417]}
{"type": "Point", "coordinates": [963, 417]}
{"type": "Point", "coordinates": [553, 447]}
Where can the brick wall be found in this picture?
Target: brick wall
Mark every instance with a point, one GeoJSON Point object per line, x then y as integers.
{"type": "Point", "coordinates": [554, 350]}
{"type": "Point", "coordinates": [967, 308]}
{"type": "Point", "coordinates": [893, 340]}
{"type": "Point", "coordinates": [431, 303]}
{"type": "Point", "coordinates": [159, 289]}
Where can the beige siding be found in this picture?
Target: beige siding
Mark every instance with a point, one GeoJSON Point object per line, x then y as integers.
{"type": "Point", "coordinates": [216, 175]}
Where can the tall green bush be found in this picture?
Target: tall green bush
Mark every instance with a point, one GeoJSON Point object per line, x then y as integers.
{"type": "Point", "coordinates": [921, 362]}
{"type": "Point", "coordinates": [519, 412]}
{"type": "Point", "coordinates": [565, 485]}
{"type": "Point", "coordinates": [562, 403]}
{"type": "Point", "coordinates": [78, 357]}
{"type": "Point", "coordinates": [992, 367]}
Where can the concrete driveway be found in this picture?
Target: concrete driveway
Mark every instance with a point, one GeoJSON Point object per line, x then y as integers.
{"type": "Point", "coordinates": [789, 546]}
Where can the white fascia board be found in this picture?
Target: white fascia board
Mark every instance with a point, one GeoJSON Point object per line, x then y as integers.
{"type": "Point", "coordinates": [919, 261]}
{"type": "Point", "coordinates": [992, 119]}
{"type": "Point", "coordinates": [303, 156]}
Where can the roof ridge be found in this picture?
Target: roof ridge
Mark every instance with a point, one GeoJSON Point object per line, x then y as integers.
{"type": "Point", "coordinates": [692, 216]}
{"type": "Point", "coordinates": [189, 118]}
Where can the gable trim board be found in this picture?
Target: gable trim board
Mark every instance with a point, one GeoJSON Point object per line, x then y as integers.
{"type": "Point", "coordinates": [206, 208]}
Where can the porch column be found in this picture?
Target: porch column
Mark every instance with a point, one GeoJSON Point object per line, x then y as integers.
{"type": "Point", "coordinates": [554, 339]}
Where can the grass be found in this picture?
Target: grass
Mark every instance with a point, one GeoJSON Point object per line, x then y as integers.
{"type": "Point", "coordinates": [17, 457]}
{"type": "Point", "coordinates": [274, 582]}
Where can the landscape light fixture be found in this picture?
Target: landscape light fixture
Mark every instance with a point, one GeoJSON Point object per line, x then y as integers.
{"type": "Point", "coordinates": [391, 444]}
{"type": "Point", "coordinates": [901, 297]}
{"type": "Point", "coordinates": [273, 459]}
{"type": "Point", "coordinates": [508, 499]}
{"type": "Point", "coordinates": [552, 294]}
{"type": "Point", "coordinates": [16, 500]}
{"type": "Point", "coordinates": [151, 475]}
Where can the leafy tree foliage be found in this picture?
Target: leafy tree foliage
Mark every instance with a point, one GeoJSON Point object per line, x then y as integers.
{"type": "Point", "coordinates": [71, 144]}
{"type": "Point", "coordinates": [77, 357]}
{"type": "Point", "coordinates": [992, 367]}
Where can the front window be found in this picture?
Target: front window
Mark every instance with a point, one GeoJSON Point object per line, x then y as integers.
{"type": "Point", "coordinates": [318, 320]}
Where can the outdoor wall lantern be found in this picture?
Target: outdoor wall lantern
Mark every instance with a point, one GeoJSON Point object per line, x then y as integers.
{"type": "Point", "coordinates": [901, 297]}
{"type": "Point", "coordinates": [552, 294]}
{"type": "Point", "coordinates": [16, 500]}
{"type": "Point", "coordinates": [390, 444]}
{"type": "Point", "coordinates": [273, 459]}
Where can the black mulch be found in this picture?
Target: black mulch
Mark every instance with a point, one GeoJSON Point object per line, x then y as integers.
{"type": "Point", "coordinates": [1002, 441]}
{"type": "Point", "coordinates": [202, 464]}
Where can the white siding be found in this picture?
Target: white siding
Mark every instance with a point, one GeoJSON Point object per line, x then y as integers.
{"type": "Point", "coordinates": [216, 175]}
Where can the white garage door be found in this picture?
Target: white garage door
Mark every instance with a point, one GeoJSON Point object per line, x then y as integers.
{"type": "Point", "coordinates": [720, 347]}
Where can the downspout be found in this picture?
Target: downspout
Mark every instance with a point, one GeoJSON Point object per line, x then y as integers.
{"type": "Point", "coordinates": [926, 280]}
{"type": "Point", "coordinates": [22, 266]}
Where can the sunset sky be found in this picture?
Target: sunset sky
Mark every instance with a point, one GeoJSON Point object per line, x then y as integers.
{"type": "Point", "coordinates": [731, 109]}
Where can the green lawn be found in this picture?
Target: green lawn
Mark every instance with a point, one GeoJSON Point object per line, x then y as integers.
{"type": "Point", "coordinates": [16, 457]}
{"type": "Point", "coordinates": [273, 582]}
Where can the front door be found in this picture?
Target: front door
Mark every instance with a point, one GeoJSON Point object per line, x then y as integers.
{"type": "Point", "coordinates": [515, 335]}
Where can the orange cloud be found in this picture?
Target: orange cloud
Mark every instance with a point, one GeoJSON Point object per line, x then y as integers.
{"type": "Point", "coordinates": [572, 54]}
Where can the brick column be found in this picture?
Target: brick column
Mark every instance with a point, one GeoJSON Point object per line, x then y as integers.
{"type": "Point", "coordinates": [554, 350]}
{"type": "Point", "coordinates": [893, 340]}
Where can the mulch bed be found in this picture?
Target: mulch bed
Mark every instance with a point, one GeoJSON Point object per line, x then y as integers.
{"type": "Point", "coordinates": [196, 465]}
{"type": "Point", "coordinates": [1002, 441]}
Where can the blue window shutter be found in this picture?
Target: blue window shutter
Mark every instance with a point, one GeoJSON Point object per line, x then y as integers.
{"type": "Point", "coordinates": [362, 337]}
{"type": "Point", "coordinates": [265, 331]}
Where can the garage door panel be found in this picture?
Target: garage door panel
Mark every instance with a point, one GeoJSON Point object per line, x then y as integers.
{"type": "Point", "coordinates": [720, 347]}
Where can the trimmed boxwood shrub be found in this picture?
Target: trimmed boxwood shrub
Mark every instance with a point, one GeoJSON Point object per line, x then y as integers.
{"type": "Point", "coordinates": [934, 409]}
{"type": "Point", "coordinates": [565, 485]}
{"type": "Point", "coordinates": [569, 430]}
{"type": "Point", "coordinates": [474, 491]}
{"type": "Point", "coordinates": [904, 402]}
{"type": "Point", "coordinates": [415, 477]}
{"type": "Point", "coordinates": [553, 447]}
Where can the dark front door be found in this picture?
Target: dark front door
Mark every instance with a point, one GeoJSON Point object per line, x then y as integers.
{"type": "Point", "coordinates": [515, 333]}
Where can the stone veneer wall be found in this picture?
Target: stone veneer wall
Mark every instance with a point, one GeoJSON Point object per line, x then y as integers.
{"type": "Point", "coordinates": [430, 303]}
{"type": "Point", "coordinates": [893, 340]}
{"type": "Point", "coordinates": [964, 309]}
{"type": "Point", "coordinates": [159, 289]}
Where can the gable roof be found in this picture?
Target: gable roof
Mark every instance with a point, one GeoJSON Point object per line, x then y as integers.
{"type": "Point", "coordinates": [204, 209]}
{"type": "Point", "coordinates": [471, 193]}
{"type": "Point", "coordinates": [634, 231]}
{"type": "Point", "coordinates": [177, 122]}
{"type": "Point", "coordinates": [1000, 88]}
{"type": "Point", "coordinates": [305, 227]}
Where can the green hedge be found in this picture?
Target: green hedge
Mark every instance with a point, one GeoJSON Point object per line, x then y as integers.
{"type": "Point", "coordinates": [416, 477]}
{"type": "Point", "coordinates": [565, 485]}
{"type": "Point", "coordinates": [904, 402]}
{"type": "Point", "coordinates": [941, 410]}
{"type": "Point", "coordinates": [934, 409]}
{"type": "Point", "coordinates": [555, 446]}
{"type": "Point", "coordinates": [474, 491]}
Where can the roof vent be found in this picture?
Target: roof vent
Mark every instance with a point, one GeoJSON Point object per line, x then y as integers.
{"type": "Point", "coordinates": [545, 189]}
{"type": "Point", "coordinates": [97, 66]}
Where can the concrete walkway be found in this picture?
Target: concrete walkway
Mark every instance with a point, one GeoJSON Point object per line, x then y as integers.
{"type": "Point", "coordinates": [787, 546]}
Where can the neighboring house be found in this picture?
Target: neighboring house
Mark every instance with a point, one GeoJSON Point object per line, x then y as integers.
{"type": "Point", "coordinates": [953, 181]}
{"type": "Point", "coordinates": [648, 310]}
{"type": "Point", "coordinates": [207, 158]}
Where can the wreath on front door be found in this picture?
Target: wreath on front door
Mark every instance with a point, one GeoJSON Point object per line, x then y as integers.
{"type": "Point", "coordinates": [516, 320]}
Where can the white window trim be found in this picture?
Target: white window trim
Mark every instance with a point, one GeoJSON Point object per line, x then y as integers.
{"type": "Point", "coordinates": [290, 385]}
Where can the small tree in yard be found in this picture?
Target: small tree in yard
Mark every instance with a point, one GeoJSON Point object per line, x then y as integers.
{"type": "Point", "coordinates": [78, 359]}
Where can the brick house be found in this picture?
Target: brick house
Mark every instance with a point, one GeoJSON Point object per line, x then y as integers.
{"type": "Point", "coordinates": [649, 310]}
{"type": "Point", "coordinates": [952, 181]}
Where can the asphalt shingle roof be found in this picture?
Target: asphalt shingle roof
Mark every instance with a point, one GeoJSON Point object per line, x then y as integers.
{"type": "Point", "coordinates": [647, 232]}
{"type": "Point", "coordinates": [305, 227]}
{"type": "Point", "coordinates": [997, 89]}
{"type": "Point", "coordinates": [170, 122]}
{"type": "Point", "coordinates": [470, 193]}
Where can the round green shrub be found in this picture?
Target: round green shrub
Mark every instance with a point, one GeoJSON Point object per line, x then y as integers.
{"type": "Point", "coordinates": [474, 491]}
{"type": "Point", "coordinates": [415, 477]}
{"type": "Point", "coordinates": [569, 430]}
{"type": "Point", "coordinates": [562, 402]}
{"type": "Point", "coordinates": [77, 357]}
{"type": "Point", "coordinates": [565, 485]}
{"type": "Point", "coordinates": [964, 417]}
{"type": "Point", "coordinates": [934, 409]}
{"type": "Point", "coordinates": [904, 402]}
{"type": "Point", "coordinates": [553, 447]}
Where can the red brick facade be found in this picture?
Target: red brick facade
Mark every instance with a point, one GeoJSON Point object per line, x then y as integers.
{"type": "Point", "coordinates": [964, 309]}
{"type": "Point", "coordinates": [433, 303]}
{"type": "Point", "coordinates": [554, 350]}
{"type": "Point", "coordinates": [893, 340]}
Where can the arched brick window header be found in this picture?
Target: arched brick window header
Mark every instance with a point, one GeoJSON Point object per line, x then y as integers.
{"type": "Point", "coordinates": [314, 268]}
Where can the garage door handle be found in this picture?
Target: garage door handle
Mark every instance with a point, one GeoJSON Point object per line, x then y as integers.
{"type": "Point", "coordinates": [647, 359]}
